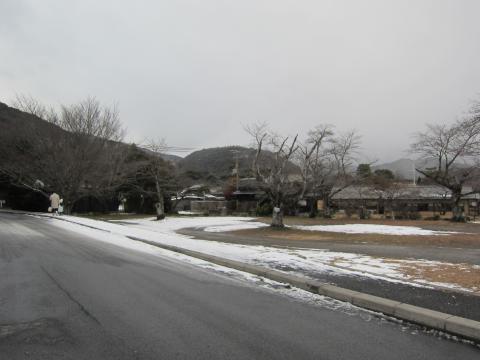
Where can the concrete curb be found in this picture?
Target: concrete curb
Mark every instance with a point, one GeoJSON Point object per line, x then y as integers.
{"type": "Point", "coordinates": [466, 328]}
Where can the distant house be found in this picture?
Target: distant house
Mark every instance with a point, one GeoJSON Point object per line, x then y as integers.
{"type": "Point", "coordinates": [429, 200]}
{"type": "Point", "coordinates": [246, 198]}
{"type": "Point", "coordinates": [199, 198]}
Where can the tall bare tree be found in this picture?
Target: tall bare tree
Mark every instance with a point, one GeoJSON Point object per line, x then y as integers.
{"type": "Point", "coordinates": [315, 162]}
{"type": "Point", "coordinates": [455, 149]}
{"type": "Point", "coordinates": [156, 170]}
{"type": "Point", "coordinates": [273, 154]}
{"type": "Point", "coordinates": [333, 167]}
{"type": "Point", "coordinates": [150, 176]}
{"type": "Point", "coordinates": [312, 155]}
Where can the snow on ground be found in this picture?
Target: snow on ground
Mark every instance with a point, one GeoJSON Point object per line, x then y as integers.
{"type": "Point", "coordinates": [182, 212]}
{"type": "Point", "coordinates": [234, 227]}
{"type": "Point", "coordinates": [373, 229]}
{"type": "Point", "coordinates": [347, 228]}
{"type": "Point", "coordinates": [307, 262]}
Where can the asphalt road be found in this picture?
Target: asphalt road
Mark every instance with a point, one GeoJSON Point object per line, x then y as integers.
{"type": "Point", "coordinates": [67, 296]}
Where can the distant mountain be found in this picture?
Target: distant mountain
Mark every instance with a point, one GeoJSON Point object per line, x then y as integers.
{"type": "Point", "coordinates": [217, 162]}
{"type": "Point", "coordinates": [403, 168]}
{"type": "Point", "coordinates": [172, 158]}
{"type": "Point", "coordinates": [215, 165]}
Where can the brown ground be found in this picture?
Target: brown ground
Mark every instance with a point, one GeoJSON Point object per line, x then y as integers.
{"type": "Point", "coordinates": [469, 237]}
{"type": "Point", "coordinates": [464, 275]}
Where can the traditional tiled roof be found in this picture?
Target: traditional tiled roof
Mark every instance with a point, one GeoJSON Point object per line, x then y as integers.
{"type": "Point", "coordinates": [400, 191]}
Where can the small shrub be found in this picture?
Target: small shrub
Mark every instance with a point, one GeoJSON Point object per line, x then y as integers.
{"type": "Point", "coordinates": [414, 215]}
{"type": "Point", "coordinates": [264, 210]}
{"type": "Point", "coordinates": [460, 218]}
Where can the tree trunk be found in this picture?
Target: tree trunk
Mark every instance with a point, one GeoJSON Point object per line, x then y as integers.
{"type": "Point", "coordinates": [313, 207]}
{"type": "Point", "coordinates": [277, 217]}
{"type": "Point", "coordinates": [457, 210]}
{"type": "Point", "coordinates": [159, 206]}
{"type": "Point", "coordinates": [326, 206]}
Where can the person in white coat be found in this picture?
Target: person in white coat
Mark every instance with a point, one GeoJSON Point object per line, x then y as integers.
{"type": "Point", "coordinates": [54, 203]}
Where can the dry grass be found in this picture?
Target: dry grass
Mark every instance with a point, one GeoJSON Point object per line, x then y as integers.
{"type": "Point", "coordinates": [464, 275]}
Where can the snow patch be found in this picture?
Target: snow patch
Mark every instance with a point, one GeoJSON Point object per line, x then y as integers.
{"type": "Point", "coordinates": [234, 227]}
{"type": "Point", "coordinates": [373, 229]}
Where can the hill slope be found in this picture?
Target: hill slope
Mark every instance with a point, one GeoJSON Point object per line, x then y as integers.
{"type": "Point", "coordinates": [13, 122]}
{"type": "Point", "coordinates": [403, 168]}
{"type": "Point", "coordinates": [218, 162]}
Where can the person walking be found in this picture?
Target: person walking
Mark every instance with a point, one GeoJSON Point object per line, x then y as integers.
{"type": "Point", "coordinates": [54, 203]}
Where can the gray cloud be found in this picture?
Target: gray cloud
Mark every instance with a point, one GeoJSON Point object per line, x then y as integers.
{"type": "Point", "coordinates": [194, 71]}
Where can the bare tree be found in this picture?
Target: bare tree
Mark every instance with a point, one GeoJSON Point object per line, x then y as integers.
{"type": "Point", "coordinates": [392, 191]}
{"type": "Point", "coordinates": [150, 176]}
{"type": "Point", "coordinates": [30, 105]}
{"type": "Point", "coordinates": [156, 170]}
{"type": "Point", "coordinates": [77, 157]}
{"type": "Point", "coordinates": [311, 155]}
{"type": "Point", "coordinates": [324, 163]}
{"type": "Point", "coordinates": [315, 163]}
{"type": "Point", "coordinates": [455, 148]}
{"type": "Point", "coordinates": [273, 154]}
{"type": "Point", "coordinates": [335, 174]}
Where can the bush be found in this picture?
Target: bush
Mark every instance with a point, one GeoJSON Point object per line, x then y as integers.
{"type": "Point", "coordinates": [264, 209]}
{"type": "Point", "coordinates": [364, 214]}
{"type": "Point", "coordinates": [408, 215]}
{"type": "Point", "coordinates": [461, 218]}
{"type": "Point", "coordinates": [414, 215]}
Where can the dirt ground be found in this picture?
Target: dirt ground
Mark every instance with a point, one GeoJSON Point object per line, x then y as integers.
{"type": "Point", "coordinates": [464, 275]}
{"type": "Point", "coordinates": [468, 233]}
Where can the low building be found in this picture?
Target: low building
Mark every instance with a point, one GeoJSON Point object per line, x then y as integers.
{"type": "Point", "coordinates": [426, 200]}
{"type": "Point", "coordinates": [247, 196]}
{"type": "Point", "coordinates": [198, 198]}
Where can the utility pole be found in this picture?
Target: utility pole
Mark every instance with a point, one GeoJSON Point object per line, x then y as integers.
{"type": "Point", "coordinates": [237, 177]}
{"type": "Point", "coordinates": [414, 173]}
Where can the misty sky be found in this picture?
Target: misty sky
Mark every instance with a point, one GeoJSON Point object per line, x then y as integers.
{"type": "Point", "coordinates": [194, 71]}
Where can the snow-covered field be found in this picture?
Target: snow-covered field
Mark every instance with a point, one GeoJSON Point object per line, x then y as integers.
{"type": "Point", "coordinates": [296, 260]}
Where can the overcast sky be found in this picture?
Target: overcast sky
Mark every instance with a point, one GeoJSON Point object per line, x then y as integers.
{"type": "Point", "coordinates": [194, 71]}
